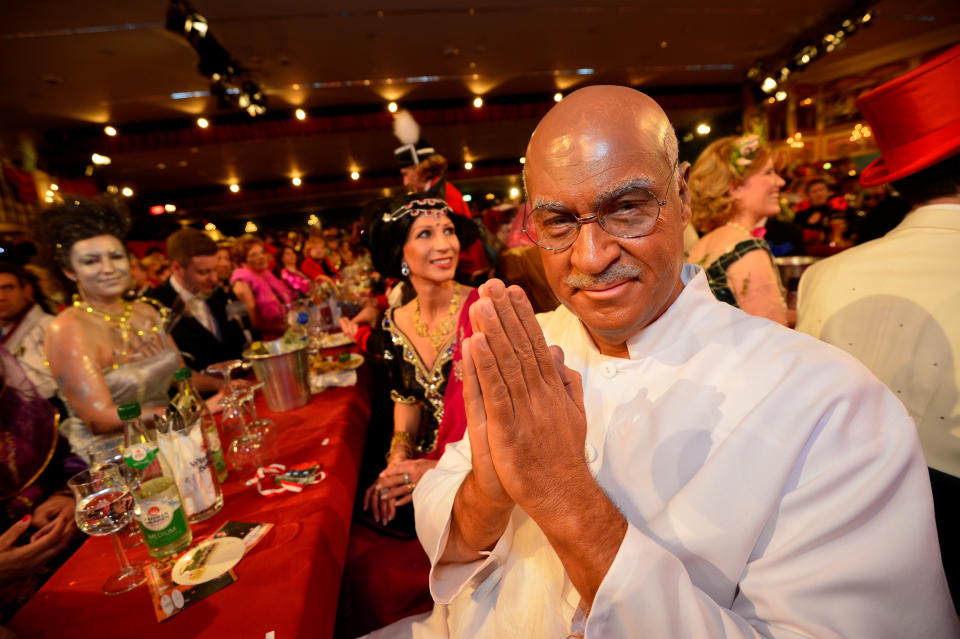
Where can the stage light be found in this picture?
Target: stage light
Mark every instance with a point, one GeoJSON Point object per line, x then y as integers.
{"type": "Point", "coordinates": [467, 197]}
{"type": "Point", "coordinates": [234, 188]}
{"type": "Point", "coordinates": [392, 107]}
{"type": "Point", "coordinates": [477, 102]}
{"type": "Point", "coordinates": [127, 191]}
{"type": "Point", "coordinates": [557, 96]}
{"type": "Point", "coordinates": [170, 208]}
{"type": "Point", "coordinates": [296, 181]}
{"type": "Point", "coordinates": [301, 114]}
{"type": "Point", "coordinates": [156, 209]}
{"type": "Point", "coordinates": [54, 187]}
{"type": "Point", "coordinates": [468, 165]}
{"type": "Point", "coordinates": [703, 128]}
{"type": "Point", "coordinates": [100, 160]}
{"type": "Point", "coordinates": [827, 166]}
{"type": "Point", "coordinates": [109, 130]}
{"type": "Point", "coordinates": [523, 160]}
{"type": "Point", "coordinates": [355, 175]}
{"type": "Point", "coordinates": [769, 84]}
{"type": "Point", "coordinates": [490, 196]}
{"type": "Point", "coordinates": [781, 96]}
{"type": "Point", "coordinates": [210, 226]}
{"type": "Point", "coordinates": [514, 192]}
{"type": "Point", "coordinates": [202, 123]}
{"type": "Point", "coordinates": [250, 227]}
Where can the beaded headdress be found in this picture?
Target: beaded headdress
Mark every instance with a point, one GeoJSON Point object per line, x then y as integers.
{"type": "Point", "coordinates": [431, 207]}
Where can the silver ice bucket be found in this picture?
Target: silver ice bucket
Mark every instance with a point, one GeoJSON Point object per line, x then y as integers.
{"type": "Point", "coordinates": [791, 268]}
{"type": "Point", "coordinates": [285, 375]}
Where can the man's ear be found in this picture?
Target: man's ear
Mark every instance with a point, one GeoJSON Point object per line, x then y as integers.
{"type": "Point", "coordinates": [29, 292]}
{"type": "Point", "coordinates": [683, 181]}
{"type": "Point", "coordinates": [176, 269]}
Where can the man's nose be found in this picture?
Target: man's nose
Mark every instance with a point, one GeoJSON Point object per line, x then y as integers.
{"type": "Point", "coordinates": [593, 250]}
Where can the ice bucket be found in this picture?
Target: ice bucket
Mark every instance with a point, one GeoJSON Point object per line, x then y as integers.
{"type": "Point", "coordinates": [791, 268]}
{"type": "Point", "coordinates": [285, 375]}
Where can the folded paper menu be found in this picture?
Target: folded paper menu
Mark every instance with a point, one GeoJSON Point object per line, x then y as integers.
{"type": "Point", "coordinates": [169, 598]}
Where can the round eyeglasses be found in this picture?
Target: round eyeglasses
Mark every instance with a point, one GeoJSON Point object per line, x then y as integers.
{"type": "Point", "coordinates": [630, 211]}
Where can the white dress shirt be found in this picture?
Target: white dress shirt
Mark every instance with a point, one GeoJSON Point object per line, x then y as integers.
{"type": "Point", "coordinates": [772, 487]}
{"type": "Point", "coordinates": [26, 344]}
{"type": "Point", "coordinates": [197, 306]}
{"type": "Point", "coordinates": [894, 304]}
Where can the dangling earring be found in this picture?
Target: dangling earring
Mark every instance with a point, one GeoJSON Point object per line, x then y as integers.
{"type": "Point", "coordinates": [404, 268]}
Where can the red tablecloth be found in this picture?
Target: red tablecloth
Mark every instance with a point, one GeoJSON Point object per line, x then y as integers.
{"type": "Point", "coordinates": [290, 581]}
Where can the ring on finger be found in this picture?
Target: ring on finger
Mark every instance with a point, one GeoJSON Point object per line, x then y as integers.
{"type": "Point", "coordinates": [384, 492]}
{"type": "Point", "coordinates": [406, 478]}
{"type": "Point", "coordinates": [410, 487]}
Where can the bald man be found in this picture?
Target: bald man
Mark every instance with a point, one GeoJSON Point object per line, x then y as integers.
{"type": "Point", "coordinates": [648, 462]}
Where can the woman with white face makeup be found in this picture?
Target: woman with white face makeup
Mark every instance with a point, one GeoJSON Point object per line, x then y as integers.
{"type": "Point", "coordinates": [102, 350]}
{"type": "Point", "coordinates": [733, 189]}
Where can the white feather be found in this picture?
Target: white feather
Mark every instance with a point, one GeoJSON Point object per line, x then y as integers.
{"type": "Point", "coordinates": [406, 128]}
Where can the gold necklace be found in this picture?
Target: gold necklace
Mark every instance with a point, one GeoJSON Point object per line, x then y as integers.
{"type": "Point", "coordinates": [739, 226]}
{"type": "Point", "coordinates": [126, 327]}
{"type": "Point", "coordinates": [438, 335]}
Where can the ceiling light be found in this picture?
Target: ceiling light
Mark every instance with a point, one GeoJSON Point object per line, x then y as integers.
{"type": "Point", "coordinates": [477, 102]}
{"type": "Point", "coordinates": [467, 197]}
{"type": "Point", "coordinates": [100, 160]}
{"type": "Point", "coordinates": [297, 181]}
{"type": "Point", "coordinates": [49, 193]}
{"type": "Point", "coordinates": [313, 220]}
{"type": "Point", "coordinates": [557, 96]}
{"type": "Point", "coordinates": [127, 191]}
{"type": "Point", "coordinates": [156, 209]}
{"type": "Point", "coordinates": [703, 128]}
{"type": "Point", "coordinates": [170, 208]}
{"type": "Point", "coordinates": [112, 189]}
{"type": "Point", "coordinates": [109, 130]}
{"type": "Point", "coordinates": [48, 200]}
{"type": "Point", "coordinates": [781, 96]}
{"type": "Point", "coordinates": [852, 172]}
{"type": "Point", "coordinates": [663, 44]}
{"type": "Point", "coordinates": [54, 187]}
{"type": "Point", "coordinates": [210, 226]}
{"type": "Point", "coordinates": [827, 166]}
{"type": "Point", "coordinates": [523, 160]}
{"type": "Point", "coordinates": [804, 59]}
{"type": "Point", "coordinates": [250, 227]}
{"type": "Point", "coordinates": [771, 100]}
{"type": "Point", "coordinates": [355, 175]}
{"type": "Point", "coordinates": [235, 188]}
{"type": "Point", "coordinates": [202, 123]}
{"type": "Point", "coordinates": [392, 107]}
{"type": "Point", "coordinates": [490, 196]}
{"type": "Point", "coordinates": [301, 114]}
{"type": "Point", "coordinates": [468, 165]}
{"type": "Point", "coordinates": [806, 102]}
{"type": "Point", "coordinates": [514, 192]}
{"type": "Point", "coordinates": [769, 84]}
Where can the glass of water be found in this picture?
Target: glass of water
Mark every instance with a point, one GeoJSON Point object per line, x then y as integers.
{"type": "Point", "coordinates": [110, 451]}
{"type": "Point", "coordinates": [104, 505]}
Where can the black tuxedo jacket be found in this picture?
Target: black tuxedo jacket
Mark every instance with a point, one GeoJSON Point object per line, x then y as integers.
{"type": "Point", "coordinates": [199, 346]}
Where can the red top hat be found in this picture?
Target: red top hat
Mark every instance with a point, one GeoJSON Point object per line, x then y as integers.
{"type": "Point", "coordinates": [915, 119]}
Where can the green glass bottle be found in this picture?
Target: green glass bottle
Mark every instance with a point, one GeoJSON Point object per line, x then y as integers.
{"type": "Point", "coordinates": [158, 507]}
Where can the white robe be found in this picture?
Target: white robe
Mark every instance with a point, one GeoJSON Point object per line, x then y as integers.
{"type": "Point", "coordinates": [773, 487]}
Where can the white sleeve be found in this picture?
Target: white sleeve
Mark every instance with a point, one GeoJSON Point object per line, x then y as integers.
{"type": "Point", "coordinates": [849, 550]}
{"type": "Point", "coordinates": [433, 508]}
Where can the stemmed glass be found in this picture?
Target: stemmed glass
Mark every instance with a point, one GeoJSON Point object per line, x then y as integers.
{"type": "Point", "coordinates": [104, 505]}
{"type": "Point", "coordinates": [107, 450]}
{"type": "Point", "coordinates": [262, 427]}
{"type": "Point", "coordinates": [225, 369]}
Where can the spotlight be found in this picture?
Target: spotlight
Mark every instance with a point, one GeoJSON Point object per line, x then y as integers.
{"type": "Point", "coordinates": [195, 24]}
{"type": "Point", "coordinates": [827, 166]}
{"type": "Point", "coordinates": [355, 175]}
{"type": "Point", "coordinates": [54, 187]}
{"type": "Point", "coordinates": [170, 208]}
{"type": "Point", "coordinates": [250, 227]}
{"type": "Point", "coordinates": [703, 128]}
{"type": "Point", "coordinates": [514, 192]}
{"type": "Point", "coordinates": [490, 196]}
{"type": "Point", "coordinates": [109, 130]}
{"type": "Point", "coordinates": [557, 96]}
{"type": "Point", "coordinates": [234, 188]}
{"type": "Point", "coordinates": [805, 58]}
{"type": "Point", "coordinates": [523, 160]}
{"type": "Point", "coordinates": [769, 84]}
{"type": "Point", "coordinates": [100, 160]}
{"type": "Point", "coordinates": [467, 197]}
{"type": "Point", "coordinates": [468, 165]}
{"type": "Point", "coordinates": [392, 107]}
{"type": "Point", "coordinates": [296, 181]}
{"type": "Point", "coordinates": [210, 226]}
{"type": "Point", "coordinates": [202, 123]}
{"type": "Point", "coordinates": [781, 96]}
{"type": "Point", "coordinates": [301, 114]}
{"type": "Point", "coordinates": [156, 209]}
{"type": "Point", "coordinates": [127, 191]}
{"type": "Point", "coordinates": [477, 102]}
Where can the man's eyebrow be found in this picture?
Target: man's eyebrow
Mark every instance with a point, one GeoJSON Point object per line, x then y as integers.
{"type": "Point", "coordinates": [621, 189]}
{"type": "Point", "coordinates": [550, 205]}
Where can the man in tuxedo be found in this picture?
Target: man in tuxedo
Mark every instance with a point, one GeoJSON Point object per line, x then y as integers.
{"type": "Point", "coordinates": [199, 320]}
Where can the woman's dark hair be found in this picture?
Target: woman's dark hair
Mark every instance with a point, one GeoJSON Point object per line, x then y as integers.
{"type": "Point", "coordinates": [388, 230]}
{"type": "Point", "coordinates": [940, 180]}
{"type": "Point", "coordinates": [57, 229]}
{"type": "Point", "coordinates": [283, 249]}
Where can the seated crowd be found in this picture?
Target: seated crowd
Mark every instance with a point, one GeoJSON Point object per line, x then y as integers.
{"type": "Point", "coordinates": [578, 429]}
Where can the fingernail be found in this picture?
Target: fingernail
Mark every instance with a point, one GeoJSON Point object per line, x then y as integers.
{"type": "Point", "coordinates": [25, 518]}
{"type": "Point", "coordinates": [515, 294]}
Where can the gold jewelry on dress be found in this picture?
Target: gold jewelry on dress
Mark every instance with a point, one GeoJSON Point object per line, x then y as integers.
{"type": "Point", "coordinates": [438, 335]}
{"type": "Point", "coordinates": [122, 320]}
{"type": "Point", "coordinates": [401, 441]}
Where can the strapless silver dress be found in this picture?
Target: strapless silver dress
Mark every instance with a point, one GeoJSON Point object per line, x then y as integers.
{"type": "Point", "coordinates": [145, 382]}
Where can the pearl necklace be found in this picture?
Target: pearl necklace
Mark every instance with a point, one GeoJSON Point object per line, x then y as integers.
{"type": "Point", "coordinates": [438, 335]}
{"type": "Point", "coordinates": [740, 226]}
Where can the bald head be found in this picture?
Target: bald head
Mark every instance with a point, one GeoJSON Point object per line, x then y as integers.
{"type": "Point", "coordinates": [596, 126]}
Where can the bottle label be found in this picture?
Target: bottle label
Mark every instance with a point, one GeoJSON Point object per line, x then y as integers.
{"type": "Point", "coordinates": [139, 456]}
{"type": "Point", "coordinates": [161, 520]}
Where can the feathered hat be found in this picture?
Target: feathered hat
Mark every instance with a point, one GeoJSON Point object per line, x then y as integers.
{"type": "Point", "coordinates": [413, 150]}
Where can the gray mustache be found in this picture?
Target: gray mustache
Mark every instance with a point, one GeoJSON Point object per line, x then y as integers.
{"type": "Point", "coordinates": [616, 273]}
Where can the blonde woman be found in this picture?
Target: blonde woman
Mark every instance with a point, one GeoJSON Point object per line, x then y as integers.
{"type": "Point", "coordinates": [733, 189]}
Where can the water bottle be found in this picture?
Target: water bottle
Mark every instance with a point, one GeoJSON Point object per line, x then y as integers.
{"type": "Point", "coordinates": [191, 405]}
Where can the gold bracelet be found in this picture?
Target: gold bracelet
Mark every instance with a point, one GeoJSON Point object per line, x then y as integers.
{"type": "Point", "coordinates": [402, 440]}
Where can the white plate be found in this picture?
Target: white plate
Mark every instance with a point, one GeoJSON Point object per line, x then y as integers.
{"type": "Point", "coordinates": [227, 551]}
{"type": "Point", "coordinates": [335, 339]}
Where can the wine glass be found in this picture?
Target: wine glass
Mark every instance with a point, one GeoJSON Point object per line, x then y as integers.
{"type": "Point", "coordinates": [104, 505]}
{"type": "Point", "coordinates": [264, 427]}
{"type": "Point", "coordinates": [224, 370]}
{"type": "Point", "coordinates": [246, 454]}
{"type": "Point", "coordinates": [107, 450]}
